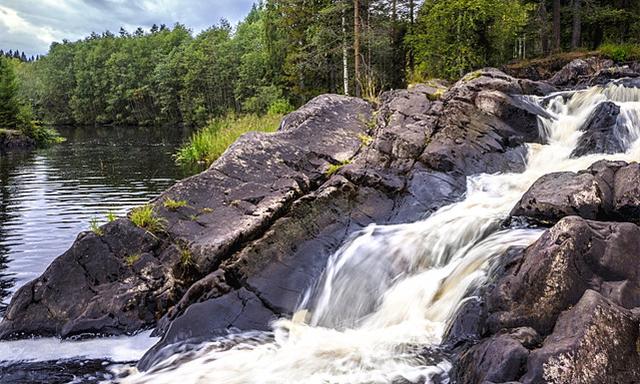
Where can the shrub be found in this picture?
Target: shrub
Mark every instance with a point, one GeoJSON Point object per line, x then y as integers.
{"type": "Point", "coordinates": [209, 143]}
{"type": "Point", "coordinates": [621, 52]}
{"type": "Point", "coordinates": [144, 217]}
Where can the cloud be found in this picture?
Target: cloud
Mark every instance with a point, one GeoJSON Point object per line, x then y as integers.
{"type": "Point", "coordinates": [32, 25]}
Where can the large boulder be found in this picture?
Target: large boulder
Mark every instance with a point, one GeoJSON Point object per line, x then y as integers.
{"type": "Point", "coordinates": [484, 123]}
{"type": "Point", "coordinates": [600, 134]}
{"type": "Point", "coordinates": [579, 71]}
{"type": "Point", "coordinates": [608, 190]}
{"type": "Point", "coordinates": [563, 310]}
{"type": "Point", "coordinates": [596, 341]}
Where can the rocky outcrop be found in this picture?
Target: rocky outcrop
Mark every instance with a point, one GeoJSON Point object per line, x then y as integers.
{"type": "Point", "coordinates": [259, 225]}
{"type": "Point", "coordinates": [605, 191]}
{"type": "Point", "coordinates": [600, 135]}
{"type": "Point", "coordinates": [566, 309]}
{"type": "Point", "coordinates": [127, 278]}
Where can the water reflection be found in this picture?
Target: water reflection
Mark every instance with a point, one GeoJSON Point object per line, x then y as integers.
{"type": "Point", "coordinates": [48, 196]}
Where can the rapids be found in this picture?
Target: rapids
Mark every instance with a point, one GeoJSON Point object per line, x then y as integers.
{"type": "Point", "coordinates": [390, 290]}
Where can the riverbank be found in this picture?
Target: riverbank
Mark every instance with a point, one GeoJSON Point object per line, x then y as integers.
{"type": "Point", "coordinates": [15, 140]}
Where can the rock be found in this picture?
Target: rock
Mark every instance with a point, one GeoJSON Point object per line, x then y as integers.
{"type": "Point", "coordinates": [600, 133]}
{"type": "Point", "coordinates": [239, 310]}
{"type": "Point", "coordinates": [483, 125]}
{"type": "Point", "coordinates": [626, 192]}
{"type": "Point", "coordinates": [593, 342]}
{"type": "Point", "coordinates": [573, 256]}
{"type": "Point", "coordinates": [94, 288]}
{"type": "Point", "coordinates": [579, 70]}
{"type": "Point", "coordinates": [566, 307]}
{"type": "Point", "coordinates": [560, 194]}
{"type": "Point", "coordinates": [605, 191]}
{"type": "Point", "coordinates": [498, 359]}
{"type": "Point", "coordinates": [11, 140]}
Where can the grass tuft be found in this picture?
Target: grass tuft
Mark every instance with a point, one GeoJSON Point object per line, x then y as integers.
{"type": "Point", "coordinates": [173, 205]}
{"type": "Point", "coordinates": [144, 217]}
{"type": "Point", "coordinates": [334, 168]}
{"type": "Point", "coordinates": [131, 259]}
{"type": "Point", "coordinates": [365, 139]}
{"type": "Point", "coordinates": [94, 226]}
{"type": "Point", "coordinates": [209, 143]}
{"type": "Point", "coordinates": [186, 257]}
{"type": "Point", "coordinates": [111, 216]}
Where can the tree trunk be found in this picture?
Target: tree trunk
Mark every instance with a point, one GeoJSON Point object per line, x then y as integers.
{"type": "Point", "coordinates": [544, 28]}
{"type": "Point", "coordinates": [356, 46]}
{"type": "Point", "coordinates": [577, 24]}
{"type": "Point", "coordinates": [556, 25]}
{"type": "Point", "coordinates": [345, 53]}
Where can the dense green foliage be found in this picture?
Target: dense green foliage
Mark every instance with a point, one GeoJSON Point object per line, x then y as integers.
{"type": "Point", "coordinates": [15, 113]}
{"type": "Point", "coordinates": [287, 51]}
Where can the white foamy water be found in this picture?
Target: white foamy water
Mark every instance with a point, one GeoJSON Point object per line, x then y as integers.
{"type": "Point", "coordinates": [116, 349]}
{"type": "Point", "coordinates": [390, 290]}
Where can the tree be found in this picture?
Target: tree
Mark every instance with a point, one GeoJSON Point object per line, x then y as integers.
{"type": "Point", "coordinates": [9, 103]}
{"type": "Point", "coordinates": [356, 46]}
{"type": "Point", "coordinates": [577, 24]}
{"type": "Point", "coordinates": [556, 25]}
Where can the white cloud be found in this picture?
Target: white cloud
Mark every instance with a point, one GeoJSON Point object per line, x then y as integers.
{"type": "Point", "coordinates": [32, 25]}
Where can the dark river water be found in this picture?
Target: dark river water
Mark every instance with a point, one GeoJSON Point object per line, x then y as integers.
{"type": "Point", "coordinates": [48, 196]}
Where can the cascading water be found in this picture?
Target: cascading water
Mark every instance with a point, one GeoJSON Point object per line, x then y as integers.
{"type": "Point", "coordinates": [390, 290]}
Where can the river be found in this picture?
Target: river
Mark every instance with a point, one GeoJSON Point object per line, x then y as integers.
{"type": "Point", "coordinates": [50, 195]}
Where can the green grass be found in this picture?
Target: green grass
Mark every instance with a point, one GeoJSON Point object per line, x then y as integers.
{"type": "Point", "coordinates": [94, 226]}
{"type": "Point", "coordinates": [620, 52]}
{"type": "Point", "coordinates": [173, 205]}
{"type": "Point", "coordinates": [111, 216]}
{"type": "Point", "coordinates": [334, 168]}
{"type": "Point", "coordinates": [209, 143]}
{"type": "Point", "coordinates": [144, 217]}
{"type": "Point", "coordinates": [365, 139]}
{"type": "Point", "coordinates": [186, 257]}
{"type": "Point", "coordinates": [131, 259]}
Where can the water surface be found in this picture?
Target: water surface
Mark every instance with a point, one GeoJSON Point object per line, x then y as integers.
{"type": "Point", "coordinates": [48, 196]}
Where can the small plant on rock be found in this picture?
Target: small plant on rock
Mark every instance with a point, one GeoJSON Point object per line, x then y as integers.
{"type": "Point", "coordinates": [334, 168]}
{"type": "Point", "coordinates": [186, 257]}
{"type": "Point", "coordinates": [173, 205]}
{"type": "Point", "coordinates": [131, 259]}
{"type": "Point", "coordinates": [94, 226]}
{"type": "Point", "coordinates": [144, 217]}
{"type": "Point", "coordinates": [111, 217]}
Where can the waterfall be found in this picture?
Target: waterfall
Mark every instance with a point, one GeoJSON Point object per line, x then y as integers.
{"type": "Point", "coordinates": [390, 290]}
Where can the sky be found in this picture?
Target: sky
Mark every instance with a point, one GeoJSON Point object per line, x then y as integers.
{"type": "Point", "coordinates": [32, 25]}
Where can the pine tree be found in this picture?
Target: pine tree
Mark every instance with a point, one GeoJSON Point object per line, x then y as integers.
{"type": "Point", "coordinates": [9, 104]}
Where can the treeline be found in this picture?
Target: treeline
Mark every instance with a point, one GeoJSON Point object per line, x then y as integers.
{"type": "Point", "coordinates": [287, 51]}
{"type": "Point", "coordinates": [11, 54]}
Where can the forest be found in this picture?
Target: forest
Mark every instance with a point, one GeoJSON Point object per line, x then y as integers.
{"type": "Point", "coordinates": [287, 51]}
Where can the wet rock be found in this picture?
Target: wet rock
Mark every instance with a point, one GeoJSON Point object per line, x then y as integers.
{"type": "Point", "coordinates": [483, 124]}
{"type": "Point", "coordinates": [593, 342]}
{"type": "Point", "coordinates": [573, 256]}
{"type": "Point", "coordinates": [600, 133]}
{"type": "Point", "coordinates": [498, 359]}
{"type": "Point", "coordinates": [605, 191]}
{"type": "Point", "coordinates": [239, 310]}
{"type": "Point", "coordinates": [556, 195]}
